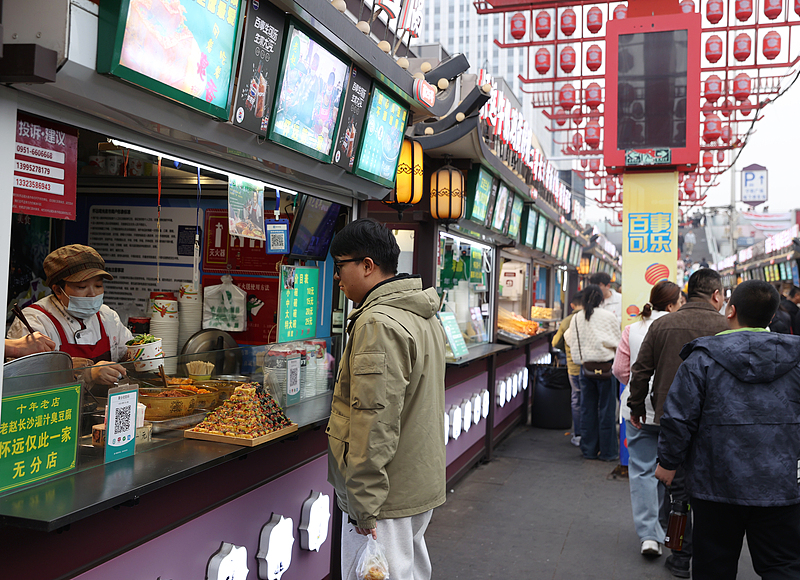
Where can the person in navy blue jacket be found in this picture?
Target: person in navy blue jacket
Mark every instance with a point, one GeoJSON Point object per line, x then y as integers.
{"type": "Point", "coordinates": [732, 417]}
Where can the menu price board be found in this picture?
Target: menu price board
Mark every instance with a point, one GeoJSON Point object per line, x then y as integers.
{"type": "Point", "coordinates": [297, 305]}
{"type": "Point", "coordinates": [541, 233]}
{"type": "Point", "coordinates": [223, 253]}
{"type": "Point", "coordinates": [45, 168]}
{"type": "Point", "coordinates": [184, 51]}
{"type": "Point", "coordinates": [38, 435]}
{"type": "Point", "coordinates": [480, 188]}
{"type": "Point", "coordinates": [502, 209]}
{"type": "Point", "coordinates": [516, 218]}
{"type": "Point", "coordinates": [379, 150]}
{"type": "Point", "coordinates": [530, 229]}
{"type": "Point", "coordinates": [354, 110]}
{"type": "Point", "coordinates": [260, 62]}
{"type": "Point", "coordinates": [311, 92]}
{"type": "Point", "coordinates": [453, 333]}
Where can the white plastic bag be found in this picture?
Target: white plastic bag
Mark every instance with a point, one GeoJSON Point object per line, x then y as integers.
{"type": "Point", "coordinates": [225, 306]}
{"type": "Point", "coordinates": [372, 565]}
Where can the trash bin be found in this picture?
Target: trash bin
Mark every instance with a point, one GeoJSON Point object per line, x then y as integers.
{"type": "Point", "coordinates": [551, 399]}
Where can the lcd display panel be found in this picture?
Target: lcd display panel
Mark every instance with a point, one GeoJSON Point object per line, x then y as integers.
{"type": "Point", "coordinates": [312, 87]}
{"type": "Point", "coordinates": [548, 243]}
{"type": "Point", "coordinates": [541, 232]}
{"type": "Point", "coordinates": [562, 244]}
{"type": "Point", "coordinates": [382, 138]}
{"type": "Point", "coordinates": [490, 204]}
{"type": "Point", "coordinates": [504, 196]}
{"type": "Point", "coordinates": [530, 231]}
{"type": "Point", "coordinates": [516, 217]}
{"type": "Point", "coordinates": [478, 202]}
{"type": "Point", "coordinates": [556, 240]}
{"type": "Point", "coordinates": [313, 228]}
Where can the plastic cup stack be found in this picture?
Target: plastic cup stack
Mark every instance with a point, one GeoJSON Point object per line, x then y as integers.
{"type": "Point", "coordinates": [164, 324]}
{"type": "Point", "coordinates": [190, 305]}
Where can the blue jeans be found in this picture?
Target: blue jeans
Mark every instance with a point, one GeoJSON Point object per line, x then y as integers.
{"type": "Point", "coordinates": [575, 383]}
{"type": "Point", "coordinates": [647, 493]}
{"type": "Point", "coordinates": [598, 418]}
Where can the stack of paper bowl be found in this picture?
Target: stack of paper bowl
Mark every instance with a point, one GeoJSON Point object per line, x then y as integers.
{"type": "Point", "coordinates": [190, 304]}
{"type": "Point", "coordinates": [164, 324]}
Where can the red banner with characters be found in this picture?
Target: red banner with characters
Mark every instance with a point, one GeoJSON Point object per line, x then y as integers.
{"type": "Point", "coordinates": [45, 168]}
{"type": "Point", "coordinates": [262, 307]}
{"type": "Point", "coordinates": [223, 253]}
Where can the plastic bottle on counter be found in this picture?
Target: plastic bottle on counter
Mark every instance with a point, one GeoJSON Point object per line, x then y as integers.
{"type": "Point", "coordinates": [276, 363]}
{"type": "Point", "coordinates": [321, 351]}
{"type": "Point", "coordinates": [311, 370]}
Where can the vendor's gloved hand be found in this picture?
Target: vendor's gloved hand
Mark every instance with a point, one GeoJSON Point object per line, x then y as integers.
{"type": "Point", "coordinates": [107, 373]}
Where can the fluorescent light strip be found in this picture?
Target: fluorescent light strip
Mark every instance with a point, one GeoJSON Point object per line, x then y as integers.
{"type": "Point", "coordinates": [147, 151]}
{"type": "Point", "coordinates": [469, 241]}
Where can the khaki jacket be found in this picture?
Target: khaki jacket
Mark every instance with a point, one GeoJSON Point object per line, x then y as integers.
{"type": "Point", "coordinates": [386, 452]}
{"type": "Point", "coordinates": [561, 344]}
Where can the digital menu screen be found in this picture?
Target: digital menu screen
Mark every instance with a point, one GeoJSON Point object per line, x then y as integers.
{"type": "Point", "coordinates": [180, 50]}
{"type": "Point", "coordinates": [382, 138]}
{"type": "Point", "coordinates": [556, 241]}
{"type": "Point", "coordinates": [478, 200]}
{"type": "Point", "coordinates": [501, 208]}
{"type": "Point", "coordinates": [310, 96]}
{"type": "Point", "coordinates": [530, 231]}
{"type": "Point", "coordinates": [490, 203]}
{"type": "Point", "coordinates": [784, 274]}
{"type": "Point", "coordinates": [516, 217]}
{"type": "Point", "coordinates": [313, 227]}
{"type": "Point", "coordinates": [548, 243]}
{"type": "Point", "coordinates": [541, 233]}
{"type": "Point", "coordinates": [563, 245]}
{"type": "Point", "coordinates": [354, 110]}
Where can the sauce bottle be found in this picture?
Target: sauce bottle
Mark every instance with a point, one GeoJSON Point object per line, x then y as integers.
{"type": "Point", "coordinates": [676, 525]}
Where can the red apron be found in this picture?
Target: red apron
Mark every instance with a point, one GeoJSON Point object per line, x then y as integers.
{"type": "Point", "coordinates": [100, 351]}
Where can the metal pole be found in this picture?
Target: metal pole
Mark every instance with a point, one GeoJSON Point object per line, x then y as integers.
{"type": "Point", "coordinates": [733, 216]}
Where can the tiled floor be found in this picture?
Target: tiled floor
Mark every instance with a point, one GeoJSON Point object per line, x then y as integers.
{"type": "Point", "coordinates": [540, 511]}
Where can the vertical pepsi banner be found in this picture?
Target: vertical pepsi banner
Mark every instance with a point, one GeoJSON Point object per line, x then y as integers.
{"type": "Point", "coordinates": [353, 111]}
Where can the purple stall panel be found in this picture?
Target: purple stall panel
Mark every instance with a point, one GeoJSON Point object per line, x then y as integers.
{"type": "Point", "coordinates": [454, 396]}
{"type": "Point", "coordinates": [512, 406]}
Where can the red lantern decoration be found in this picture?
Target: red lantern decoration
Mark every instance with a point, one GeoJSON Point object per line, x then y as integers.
{"type": "Point", "coordinates": [566, 97]}
{"type": "Point", "coordinates": [594, 20]}
{"type": "Point", "coordinates": [726, 108]}
{"type": "Point", "coordinates": [543, 24]}
{"type": "Point", "coordinates": [741, 86]}
{"type": "Point", "coordinates": [584, 162]}
{"type": "Point", "coordinates": [744, 9]}
{"type": "Point", "coordinates": [771, 46]}
{"type": "Point", "coordinates": [797, 7]}
{"type": "Point", "coordinates": [518, 25]}
{"type": "Point", "coordinates": [707, 176]}
{"type": "Point", "coordinates": [687, 6]}
{"type": "Point", "coordinates": [621, 12]}
{"type": "Point", "coordinates": [721, 155]}
{"type": "Point", "coordinates": [561, 117]}
{"type": "Point", "coordinates": [715, 10]}
{"type": "Point", "coordinates": [726, 134]}
{"type": "Point", "coordinates": [619, 216]}
{"type": "Point", "coordinates": [593, 134]}
{"type": "Point", "coordinates": [594, 57]}
{"type": "Point", "coordinates": [747, 107]}
{"type": "Point", "coordinates": [611, 187]}
{"type": "Point", "coordinates": [577, 141]}
{"type": "Point", "coordinates": [596, 180]}
{"type": "Point", "coordinates": [773, 8]}
{"type": "Point", "coordinates": [707, 108]}
{"type": "Point", "coordinates": [688, 185]}
{"type": "Point", "coordinates": [577, 118]}
{"type": "Point", "coordinates": [708, 159]}
{"type": "Point", "coordinates": [609, 197]}
{"type": "Point", "coordinates": [742, 46]}
{"type": "Point", "coordinates": [594, 95]}
{"type": "Point", "coordinates": [542, 60]}
{"type": "Point", "coordinates": [594, 165]}
{"type": "Point", "coordinates": [567, 59]}
{"type": "Point", "coordinates": [713, 129]}
{"type": "Point", "coordinates": [569, 21]}
{"type": "Point", "coordinates": [713, 89]}
{"type": "Point", "coordinates": [714, 48]}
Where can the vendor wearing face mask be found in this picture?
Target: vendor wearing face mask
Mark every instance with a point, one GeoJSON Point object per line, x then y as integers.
{"type": "Point", "coordinates": [74, 316]}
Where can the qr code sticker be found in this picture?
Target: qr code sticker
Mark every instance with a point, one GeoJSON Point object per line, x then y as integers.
{"type": "Point", "coordinates": [294, 379]}
{"type": "Point", "coordinates": [277, 241]}
{"type": "Point", "coordinates": [122, 419]}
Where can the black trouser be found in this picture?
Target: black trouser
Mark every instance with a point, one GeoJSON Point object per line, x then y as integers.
{"type": "Point", "coordinates": [677, 492]}
{"type": "Point", "coordinates": [773, 537]}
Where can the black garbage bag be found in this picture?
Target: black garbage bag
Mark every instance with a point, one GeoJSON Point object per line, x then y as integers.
{"type": "Point", "coordinates": [551, 399]}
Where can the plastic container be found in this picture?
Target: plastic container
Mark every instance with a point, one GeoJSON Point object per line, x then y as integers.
{"type": "Point", "coordinates": [146, 357]}
{"type": "Point", "coordinates": [677, 525]}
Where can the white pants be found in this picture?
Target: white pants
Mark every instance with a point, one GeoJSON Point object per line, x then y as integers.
{"type": "Point", "coordinates": [403, 540]}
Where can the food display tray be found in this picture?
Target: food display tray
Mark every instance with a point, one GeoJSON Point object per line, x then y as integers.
{"type": "Point", "coordinates": [178, 422]}
{"type": "Point", "coordinates": [240, 440]}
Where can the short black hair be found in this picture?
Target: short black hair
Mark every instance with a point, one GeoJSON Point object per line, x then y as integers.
{"type": "Point", "coordinates": [756, 302]}
{"type": "Point", "coordinates": [600, 278]}
{"type": "Point", "coordinates": [794, 291]}
{"type": "Point", "coordinates": [368, 238]}
{"type": "Point", "coordinates": [703, 283]}
{"type": "Point", "coordinates": [577, 298]}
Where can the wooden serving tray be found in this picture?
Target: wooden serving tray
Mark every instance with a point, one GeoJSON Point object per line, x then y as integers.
{"type": "Point", "coordinates": [240, 440]}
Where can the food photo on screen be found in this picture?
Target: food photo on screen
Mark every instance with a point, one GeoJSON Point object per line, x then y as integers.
{"type": "Point", "coordinates": [313, 228]}
{"type": "Point", "coordinates": [311, 94]}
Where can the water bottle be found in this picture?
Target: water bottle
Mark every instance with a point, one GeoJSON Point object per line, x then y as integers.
{"type": "Point", "coordinates": [676, 525]}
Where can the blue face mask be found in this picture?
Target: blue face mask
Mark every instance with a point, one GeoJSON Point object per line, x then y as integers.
{"type": "Point", "coordinates": [84, 306]}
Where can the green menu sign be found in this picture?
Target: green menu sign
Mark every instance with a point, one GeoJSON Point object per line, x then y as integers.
{"type": "Point", "coordinates": [454, 337]}
{"type": "Point", "coordinates": [297, 308]}
{"type": "Point", "coordinates": [478, 199]}
{"type": "Point", "coordinates": [38, 435]}
{"type": "Point", "coordinates": [476, 266]}
{"type": "Point", "coordinates": [382, 139]}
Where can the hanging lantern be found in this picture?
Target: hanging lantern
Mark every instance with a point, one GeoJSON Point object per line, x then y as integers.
{"type": "Point", "coordinates": [594, 165]}
{"type": "Point", "coordinates": [594, 57]}
{"type": "Point", "coordinates": [744, 9]}
{"type": "Point", "coordinates": [713, 129]}
{"type": "Point", "coordinates": [741, 46]}
{"type": "Point", "coordinates": [611, 187]}
{"type": "Point", "coordinates": [447, 194]}
{"type": "Point", "coordinates": [561, 117]}
{"type": "Point", "coordinates": [715, 10]}
{"type": "Point", "coordinates": [771, 47]}
{"type": "Point", "coordinates": [594, 20]}
{"type": "Point", "coordinates": [569, 21]}
{"type": "Point", "coordinates": [726, 108]}
{"type": "Point", "coordinates": [688, 185]}
{"type": "Point", "coordinates": [577, 117]}
{"type": "Point", "coordinates": [707, 176]}
{"type": "Point", "coordinates": [596, 180]}
{"type": "Point", "coordinates": [619, 216]}
{"type": "Point", "coordinates": [687, 6]}
{"type": "Point", "coordinates": [741, 86]}
{"type": "Point", "coordinates": [621, 12]}
{"type": "Point", "coordinates": [746, 108]}
{"type": "Point", "coordinates": [797, 7]}
{"type": "Point", "coordinates": [542, 59]}
{"type": "Point", "coordinates": [714, 48]}
{"type": "Point", "coordinates": [773, 8]}
{"type": "Point", "coordinates": [726, 134]}
{"type": "Point", "coordinates": [584, 162]}
{"type": "Point", "coordinates": [577, 141]}
{"type": "Point", "coordinates": [609, 197]}
{"type": "Point", "coordinates": [408, 187]}
{"type": "Point", "coordinates": [594, 95]}
{"type": "Point", "coordinates": [713, 90]}
{"type": "Point", "coordinates": [593, 134]}
{"type": "Point", "coordinates": [567, 59]}
{"type": "Point", "coordinates": [707, 108]}
{"type": "Point", "coordinates": [543, 24]}
{"type": "Point", "coordinates": [721, 155]}
{"type": "Point", "coordinates": [566, 97]}
{"type": "Point", "coordinates": [518, 26]}
{"type": "Point", "coordinates": [708, 159]}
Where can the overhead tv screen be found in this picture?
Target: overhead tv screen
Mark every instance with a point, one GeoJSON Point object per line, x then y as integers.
{"type": "Point", "coordinates": [313, 228]}
{"type": "Point", "coordinates": [382, 138]}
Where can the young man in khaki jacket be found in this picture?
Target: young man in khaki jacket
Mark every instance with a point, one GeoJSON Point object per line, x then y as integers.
{"type": "Point", "coordinates": [386, 453]}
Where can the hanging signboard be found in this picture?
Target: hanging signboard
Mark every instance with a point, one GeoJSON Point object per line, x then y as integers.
{"type": "Point", "coordinates": [297, 306]}
{"type": "Point", "coordinates": [479, 188]}
{"type": "Point", "coordinates": [223, 253]}
{"type": "Point", "coordinates": [379, 150]}
{"type": "Point", "coordinates": [246, 208]}
{"type": "Point", "coordinates": [45, 168]}
{"type": "Point", "coordinates": [261, 59]}
{"type": "Point", "coordinates": [353, 111]}
{"type": "Point", "coordinates": [754, 185]}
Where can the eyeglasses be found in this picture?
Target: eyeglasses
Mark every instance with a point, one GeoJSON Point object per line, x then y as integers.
{"type": "Point", "coordinates": [337, 264]}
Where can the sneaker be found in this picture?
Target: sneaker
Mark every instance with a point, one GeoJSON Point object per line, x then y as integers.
{"type": "Point", "coordinates": [651, 548]}
{"type": "Point", "coordinates": [677, 566]}
{"type": "Point", "coordinates": [576, 440]}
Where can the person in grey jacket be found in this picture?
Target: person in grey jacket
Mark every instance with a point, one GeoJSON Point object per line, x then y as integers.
{"type": "Point", "coordinates": [732, 417]}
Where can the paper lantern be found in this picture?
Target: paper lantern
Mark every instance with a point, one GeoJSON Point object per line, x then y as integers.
{"type": "Point", "coordinates": [621, 12]}
{"type": "Point", "coordinates": [708, 159]}
{"type": "Point", "coordinates": [714, 48]}
{"type": "Point", "coordinates": [593, 134]}
{"type": "Point", "coordinates": [577, 141]}
{"type": "Point", "coordinates": [771, 46]}
{"type": "Point", "coordinates": [715, 10]}
{"type": "Point", "coordinates": [687, 6]}
{"type": "Point", "coordinates": [567, 59]}
{"type": "Point", "coordinates": [707, 176]}
{"type": "Point", "coordinates": [594, 165]}
{"type": "Point", "coordinates": [746, 108]}
{"type": "Point", "coordinates": [408, 188]}
{"type": "Point", "coordinates": [688, 185]}
{"type": "Point", "coordinates": [543, 24]}
{"type": "Point", "coordinates": [542, 59]}
{"type": "Point", "coordinates": [726, 108]}
{"type": "Point", "coordinates": [713, 129]}
{"type": "Point", "coordinates": [655, 273]}
{"type": "Point", "coordinates": [720, 156]}
{"type": "Point", "coordinates": [726, 134]}
{"type": "Point", "coordinates": [743, 9]}
{"type": "Point", "coordinates": [584, 162]}
{"type": "Point", "coordinates": [577, 117]}
{"type": "Point", "coordinates": [713, 88]}
{"type": "Point", "coordinates": [566, 97]}
{"type": "Point", "coordinates": [569, 21]}
{"type": "Point", "coordinates": [741, 86]}
{"type": "Point", "coordinates": [447, 194]}
{"type": "Point", "coordinates": [594, 57]}
{"type": "Point", "coordinates": [594, 95]}
{"type": "Point", "coordinates": [707, 108]}
{"type": "Point", "coordinates": [619, 216]}
{"type": "Point", "coordinates": [561, 117]}
{"type": "Point", "coordinates": [773, 8]}
{"type": "Point", "coordinates": [611, 186]}
{"type": "Point", "coordinates": [594, 19]}
{"type": "Point", "coordinates": [742, 46]}
{"type": "Point", "coordinates": [797, 7]}
{"type": "Point", "coordinates": [596, 180]}
{"type": "Point", "coordinates": [518, 25]}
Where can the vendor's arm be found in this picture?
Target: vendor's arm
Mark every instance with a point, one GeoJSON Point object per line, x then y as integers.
{"type": "Point", "coordinates": [379, 372]}
{"type": "Point", "coordinates": [118, 334]}
{"type": "Point", "coordinates": [28, 344]}
{"type": "Point", "coordinates": [106, 372]}
{"type": "Point", "coordinates": [622, 362]}
{"type": "Point", "coordinates": [641, 372]}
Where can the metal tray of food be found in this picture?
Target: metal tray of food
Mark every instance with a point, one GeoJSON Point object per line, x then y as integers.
{"type": "Point", "coordinates": [179, 422]}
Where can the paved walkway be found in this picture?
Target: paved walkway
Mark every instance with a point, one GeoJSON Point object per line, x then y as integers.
{"type": "Point", "coordinates": [540, 511]}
